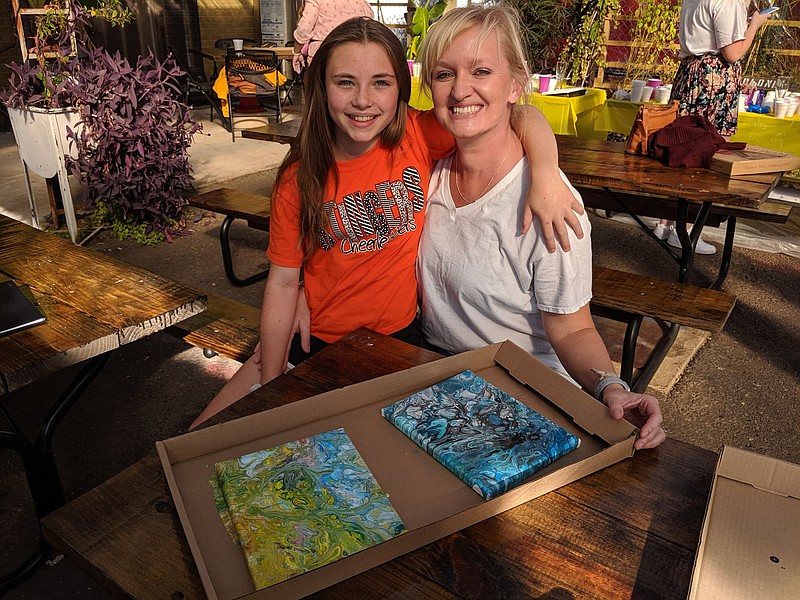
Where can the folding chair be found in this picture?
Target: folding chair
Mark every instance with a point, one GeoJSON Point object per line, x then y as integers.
{"type": "Point", "coordinates": [256, 66]}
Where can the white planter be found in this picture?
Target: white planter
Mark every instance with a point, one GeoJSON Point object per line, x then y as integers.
{"type": "Point", "coordinates": [41, 136]}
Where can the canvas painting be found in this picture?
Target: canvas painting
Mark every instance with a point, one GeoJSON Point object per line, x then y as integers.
{"type": "Point", "coordinates": [490, 440]}
{"type": "Point", "coordinates": [302, 505]}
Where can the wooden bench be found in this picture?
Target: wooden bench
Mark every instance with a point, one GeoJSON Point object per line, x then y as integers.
{"type": "Point", "coordinates": [231, 329]}
{"type": "Point", "coordinates": [235, 204]}
{"type": "Point", "coordinates": [227, 327]}
{"type": "Point", "coordinates": [630, 298]}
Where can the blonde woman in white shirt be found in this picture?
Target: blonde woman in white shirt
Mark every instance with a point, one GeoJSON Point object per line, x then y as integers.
{"type": "Point", "coordinates": [480, 280]}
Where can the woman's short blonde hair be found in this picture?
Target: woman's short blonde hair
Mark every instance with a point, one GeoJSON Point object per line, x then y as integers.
{"type": "Point", "coordinates": [502, 19]}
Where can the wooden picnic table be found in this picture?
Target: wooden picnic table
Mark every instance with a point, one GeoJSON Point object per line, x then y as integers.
{"type": "Point", "coordinates": [630, 530]}
{"type": "Point", "coordinates": [93, 304]}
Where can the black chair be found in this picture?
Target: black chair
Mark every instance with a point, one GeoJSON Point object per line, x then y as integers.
{"type": "Point", "coordinates": [196, 81]}
{"type": "Point", "coordinates": [228, 42]}
{"type": "Point", "coordinates": [256, 66]}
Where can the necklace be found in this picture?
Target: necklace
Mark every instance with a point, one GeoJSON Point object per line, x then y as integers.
{"type": "Point", "coordinates": [486, 187]}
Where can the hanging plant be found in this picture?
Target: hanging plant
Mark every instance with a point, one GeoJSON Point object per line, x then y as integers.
{"type": "Point", "coordinates": [584, 50]}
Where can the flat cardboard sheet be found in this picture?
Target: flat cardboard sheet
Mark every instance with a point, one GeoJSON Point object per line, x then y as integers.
{"type": "Point", "coordinates": [750, 544]}
{"type": "Point", "coordinates": [431, 501]}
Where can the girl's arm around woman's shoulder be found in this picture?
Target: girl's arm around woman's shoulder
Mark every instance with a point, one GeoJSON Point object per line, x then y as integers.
{"type": "Point", "coordinates": [549, 198]}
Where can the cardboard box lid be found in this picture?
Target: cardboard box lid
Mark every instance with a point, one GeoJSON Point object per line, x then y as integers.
{"type": "Point", "coordinates": [405, 473]}
{"type": "Point", "coordinates": [752, 160]}
{"type": "Point", "coordinates": [750, 543]}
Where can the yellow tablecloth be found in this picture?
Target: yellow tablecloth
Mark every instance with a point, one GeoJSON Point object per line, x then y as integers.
{"type": "Point", "coordinates": [221, 86]}
{"type": "Point", "coordinates": [567, 116]}
{"type": "Point", "coordinates": [766, 131]}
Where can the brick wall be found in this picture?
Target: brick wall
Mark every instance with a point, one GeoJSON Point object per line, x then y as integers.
{"type": "Point", "coordinates": [226, 18]}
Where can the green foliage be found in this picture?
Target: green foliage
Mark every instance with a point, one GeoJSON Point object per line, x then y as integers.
{"type": "Point", "coordinates": [655, 33]}
{"type": "Point", "coordinates": [424, 16]}
{"type": "Point", "coordinates": [583, 51]}
{"type": "Point", "coordinates": [545, 27]}
{"type": "Point", "coordinates": [142, 232]}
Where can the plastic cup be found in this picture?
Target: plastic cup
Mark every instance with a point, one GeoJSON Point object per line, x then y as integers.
{"type": "Point", "coordinates": [637, 88]}
{"type": "Point", "coordinates": [410, 67]}
{"type": "Point", "coordinates": [544, 83]}
{"type": "Point", "coordinates": [653, 83]}
{"type": "Point", "coordinates": [662, 94]}
{"type": "Point", "coordinates": [781, 107]}
{"type": "Point", "coordinates": [553, 84]}
{"type": "Point", "coordinates": [647, 93]}
{"type": "Point", "coordinates": [238, 44]}
{"type": "Point", "coordinates": [790, 112]}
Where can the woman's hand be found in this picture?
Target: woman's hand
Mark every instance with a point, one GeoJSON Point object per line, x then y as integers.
{"type": "Point", "coordinates": [640, 410]}
{"type": "Point", "coordinates": [302, 324]}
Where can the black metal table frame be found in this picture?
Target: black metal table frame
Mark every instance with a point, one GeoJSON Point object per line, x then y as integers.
{"type": "Point", "coordinates": [39, 463]}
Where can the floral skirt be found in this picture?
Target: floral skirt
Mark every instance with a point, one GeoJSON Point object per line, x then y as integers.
{"type": "Point", "coordinates": [708, 85]}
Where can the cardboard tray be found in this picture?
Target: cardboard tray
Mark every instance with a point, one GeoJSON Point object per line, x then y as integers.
{"type": "Point", "coordinates": [752, 160]}
{"type": "Point", "coordinates": [431, 501]}
{"type": "Point", "coordinates": [750, 543]}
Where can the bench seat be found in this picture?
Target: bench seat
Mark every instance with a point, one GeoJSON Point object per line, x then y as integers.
{"type": "Point", "coordinates": [227, 327]}
{"type": "Point", "coordinates": [235, 204]}
{"type": "Point", "coordinates": [231, 329]}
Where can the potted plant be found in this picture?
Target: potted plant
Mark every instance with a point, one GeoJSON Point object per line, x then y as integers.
{"type": "Point", "coordinates": [128, 132]}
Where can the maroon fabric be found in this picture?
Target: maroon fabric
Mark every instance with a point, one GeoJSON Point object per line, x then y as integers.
{"type": "Point", "coordinates": [688, 141]}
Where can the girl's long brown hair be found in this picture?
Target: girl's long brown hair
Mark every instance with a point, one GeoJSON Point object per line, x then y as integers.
{"type": "Point", "coordinates": [313, 147]}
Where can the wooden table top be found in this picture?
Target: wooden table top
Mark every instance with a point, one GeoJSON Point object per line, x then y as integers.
{"type": "Point", "coordinates": [93, 303]}
{"type": "Point", "coordinates": [604, 164]}
{"type": "Point", "coordinates": [283, 132]}
{"type": "Point", "coordinates": [630, 530]}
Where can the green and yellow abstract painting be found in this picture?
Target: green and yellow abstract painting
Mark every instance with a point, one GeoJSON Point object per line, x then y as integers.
{"type": "Point", "coordinates": [302, 505]}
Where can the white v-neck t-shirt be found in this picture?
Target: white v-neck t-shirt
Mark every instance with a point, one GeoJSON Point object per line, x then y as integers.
{"type": "Point", "coordinates": [482, 282]}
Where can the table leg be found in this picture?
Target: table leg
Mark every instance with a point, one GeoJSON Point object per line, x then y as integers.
{"type": "Point", "coordinates": [727, 252]}
{"type": "Point", "coordinates": [44, 439]}
{"type": "Point", "coordinates": [38, 461]}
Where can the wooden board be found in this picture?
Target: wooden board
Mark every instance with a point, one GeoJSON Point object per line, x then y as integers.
{"type": "Point", "coordinates": [753, 160]}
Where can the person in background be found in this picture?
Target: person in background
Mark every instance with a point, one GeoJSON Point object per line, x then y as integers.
{"type": "Point", "coordinates": [480, 282]}
{"type": "Point", "coordinates": [316, 19]}
{"type": "Point", "coordinates": [348, 205]}
{"type": "Point", "coordinates": [714, 35]}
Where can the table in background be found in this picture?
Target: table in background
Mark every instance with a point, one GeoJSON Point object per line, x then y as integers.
{"type": "Point", "coordinates": [609, 179]}
{"type": "Point", "coordinates": [93, 304]}
{"type": "Point", "coordinates": [766, 131]}
{"type": "Point", "coordinates": [567, 115]}
{"type": "Point", "coordinates": [630, 530]}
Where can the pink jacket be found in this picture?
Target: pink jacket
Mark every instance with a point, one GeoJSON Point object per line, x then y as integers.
{"type": "Point", "coordinates": [321, 16]}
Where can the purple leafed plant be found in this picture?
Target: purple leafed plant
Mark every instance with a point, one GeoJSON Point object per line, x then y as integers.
{"type": "Point", "coordinates": [134, 132]}
{"type": "Point", "coordinates": [132, 146]}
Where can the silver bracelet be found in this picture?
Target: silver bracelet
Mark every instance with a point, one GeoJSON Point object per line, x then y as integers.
{"type": "Point", "coordinates": [605, 380]}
